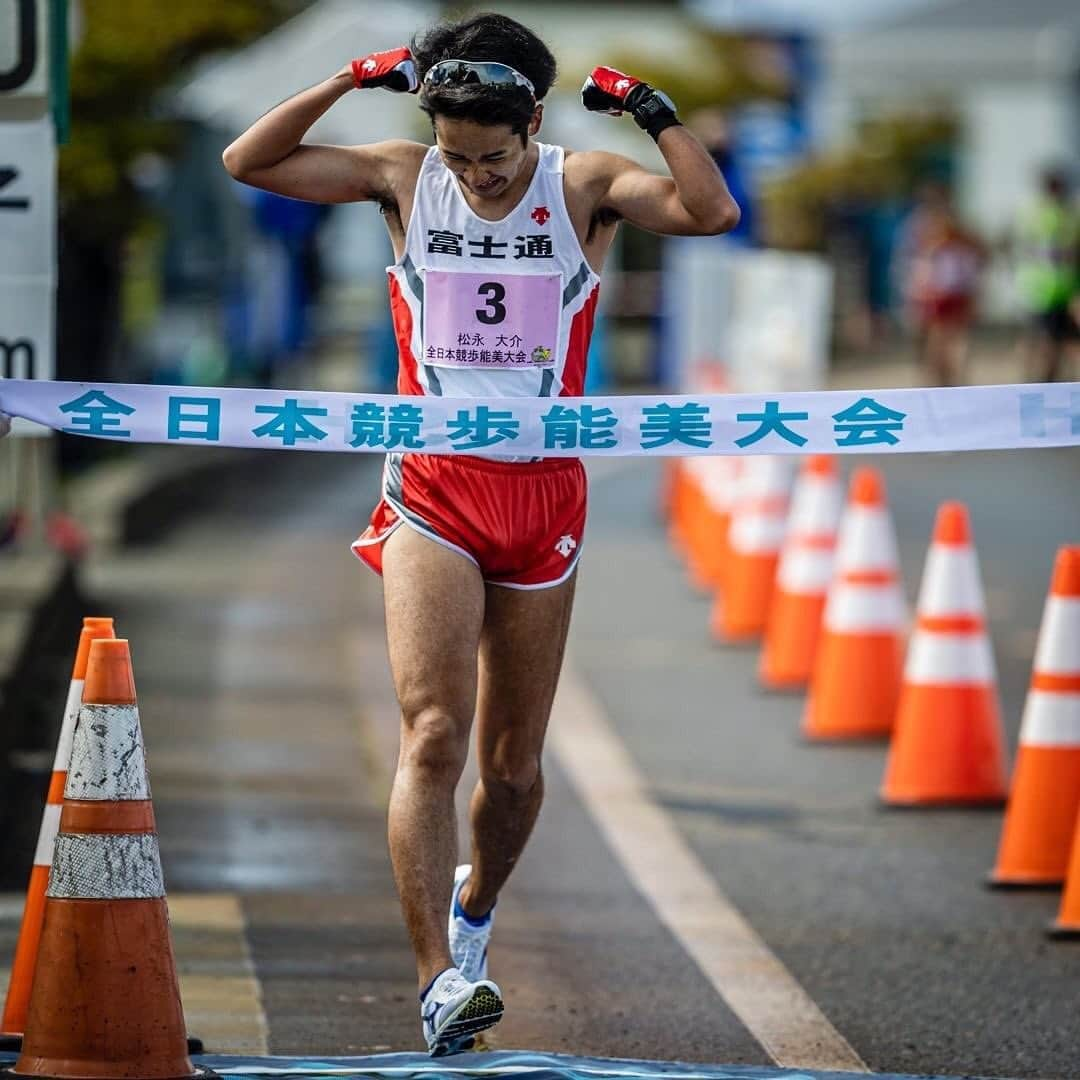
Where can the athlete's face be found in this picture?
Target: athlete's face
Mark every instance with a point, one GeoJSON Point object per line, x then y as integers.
{"type": "Point", "coordinates": [485, 158]}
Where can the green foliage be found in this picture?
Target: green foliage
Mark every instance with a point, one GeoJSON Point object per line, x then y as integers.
{"type": "Point", "coordinates": [131, 51]}
{"type": "Point", "coordinates": [891, 155]}
{"type": "Point", "coordinates": [721, 69]}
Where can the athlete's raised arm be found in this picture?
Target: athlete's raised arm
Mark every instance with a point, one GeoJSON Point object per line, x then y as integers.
{"type": "Point", "coordinates": [270, 155]}
{"type": "Point", "coordinates": [693, 201]}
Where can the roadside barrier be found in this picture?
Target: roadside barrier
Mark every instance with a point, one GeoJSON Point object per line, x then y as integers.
{"type": "Point", "coordinates": [26, 951]}
{"type": "Point", "coordinates": [855, 684]}
{"type": "Point", "coordinates": [803, 576]}
{"type": "Point", "coordinates": [758, 519]}
{"type": "Point", "coordinates": [948, 744]}
{"type": "Point", "coordinates": [105, 1001]}
{"type": "Point", "coordinates": [1045, 796]}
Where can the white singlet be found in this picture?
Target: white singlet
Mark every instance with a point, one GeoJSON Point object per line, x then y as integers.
{"type": "Point", "coordinates": [492, 308]}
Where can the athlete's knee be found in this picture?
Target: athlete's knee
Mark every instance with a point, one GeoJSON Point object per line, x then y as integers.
{"type": "Point", "coordinates": [434, 739]}
{"type": "Point", "coordinates": [512, 780]}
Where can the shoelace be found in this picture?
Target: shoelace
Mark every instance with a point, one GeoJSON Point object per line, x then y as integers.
{"type": "Point", "coordinates": [472, 941]}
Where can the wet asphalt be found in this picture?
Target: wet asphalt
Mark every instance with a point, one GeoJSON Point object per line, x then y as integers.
{"type": "Point", "coordinates": [263, 689]}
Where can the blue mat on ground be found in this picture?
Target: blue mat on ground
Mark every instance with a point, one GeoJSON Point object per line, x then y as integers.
{"type": "Point", "coordinates": [521, 1065]}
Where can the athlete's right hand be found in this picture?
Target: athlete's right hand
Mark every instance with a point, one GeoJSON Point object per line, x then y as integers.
{"type": "Point", "coordinates": [5, 424]}
{"type": "Point", "coordinates": [394, 69]}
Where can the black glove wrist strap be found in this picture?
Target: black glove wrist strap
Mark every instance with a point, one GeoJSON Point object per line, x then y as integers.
{"type": "Point", "coordinates": [652, 111]}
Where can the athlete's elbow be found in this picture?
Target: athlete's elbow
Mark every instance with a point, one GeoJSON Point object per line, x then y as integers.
{"type": "Point", "coordinates": [724, 216]}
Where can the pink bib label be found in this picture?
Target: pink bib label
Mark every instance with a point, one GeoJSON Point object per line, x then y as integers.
{"type": "Point", "coordinates": [491, 320]}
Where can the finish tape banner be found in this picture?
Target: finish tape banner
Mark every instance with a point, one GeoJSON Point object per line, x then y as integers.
{"type": "Point", "coordinates": [814, 422]}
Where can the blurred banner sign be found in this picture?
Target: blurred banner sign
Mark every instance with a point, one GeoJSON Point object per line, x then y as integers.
{"type": "Point", "coordinates": [27, 252]}
{"type": "Point", "coordinates": [24, 49]}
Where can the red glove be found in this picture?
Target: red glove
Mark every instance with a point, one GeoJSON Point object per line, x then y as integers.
{"type": "Point", "coordinates": [609, 91]}
{"type": "Point", "coordinates": [606, 91]}
{"type": "Point", "coordinates": [395, 69]}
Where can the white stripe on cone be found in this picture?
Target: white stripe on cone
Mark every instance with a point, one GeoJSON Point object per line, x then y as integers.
{"type": "Point", "coordinates": [1058, 649]}
{"type": "Point", "coordinates": [950, 658]}
{"type": "Point", "coordinates": [867, 541]}
{"type": "Point", "coordinates": [50, 826]}
{"type": "Point", "coordinates": [806, 570]}
{"type": "Point", "coordinates": [107, 759]}
{"type": "Point", "coordinates": [854, 608]}
{"type": "Point", "coordinates": [951, 583]}
{"type": "Point", "coordinates": [1051, 719]}
{"type": "Point", "coordinates": [106, 866]}
{"type": "Point", "coordinates": [67, 727]}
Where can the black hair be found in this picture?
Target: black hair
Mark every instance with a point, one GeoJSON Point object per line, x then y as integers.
{"type": "Point", "coordinates": [486, 36]}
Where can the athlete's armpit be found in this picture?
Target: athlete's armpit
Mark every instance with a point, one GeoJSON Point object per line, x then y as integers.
{"type": "Point", "coordinates": [654, 202]}
{"type": "Point", "coordinates": [340, 174]}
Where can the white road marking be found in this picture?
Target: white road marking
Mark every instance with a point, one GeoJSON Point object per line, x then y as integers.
{"type": "Point", "coordinates": [745, 973]}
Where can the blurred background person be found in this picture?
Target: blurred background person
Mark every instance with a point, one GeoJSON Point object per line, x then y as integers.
{"type": "Point", "coordinates": [1048, 276]}
{"type": "Point", "coordinates": [941, 263]}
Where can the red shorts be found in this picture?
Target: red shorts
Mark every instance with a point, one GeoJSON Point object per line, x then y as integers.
{"type": "Point", "coordinates": [520, 523]}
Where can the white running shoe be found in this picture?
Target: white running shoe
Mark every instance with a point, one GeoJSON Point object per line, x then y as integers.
{"type": "Point", "coordinates": [454, 1011]}
{"type": "Point", "coordinates": [468, 943]}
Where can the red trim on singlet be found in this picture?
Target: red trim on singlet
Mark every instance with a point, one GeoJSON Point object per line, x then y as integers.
{"type": "Point", "coordinates": [408, 381]}
{"type": "Point", "coordinates": [577, 347]}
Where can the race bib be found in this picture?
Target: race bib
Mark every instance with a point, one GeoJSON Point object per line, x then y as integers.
{"type": "Point", "coordinates": [491, 320]}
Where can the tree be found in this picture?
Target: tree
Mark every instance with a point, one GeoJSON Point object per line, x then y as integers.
{"type": "Point", "coordinates": [130, 53]}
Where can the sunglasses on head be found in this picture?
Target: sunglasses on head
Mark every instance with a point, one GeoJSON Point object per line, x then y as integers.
{"type": "Point", "coordinates": [476, 73]}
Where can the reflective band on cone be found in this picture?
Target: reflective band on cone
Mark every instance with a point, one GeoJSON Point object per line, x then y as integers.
{"type": "Point", "coordinates": [855, 684]}
{"type": "Point", "coordinates": [756, 533]}
{"type": "Point", "coordinates": [26, 952]}
{"type": "Point", "coordinates": [948, 746]}
{"type": "Point", "coordinates": [802, 580]}
{"type": "Point", "coordinates": [1044, 800]}
{"type": "Point", "coordinates": [105, 1002]}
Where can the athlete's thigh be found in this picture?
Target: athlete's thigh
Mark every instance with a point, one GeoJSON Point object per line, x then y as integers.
{"type": "Point", "coordinates": [434, 601]}
{"type": "Point", "coordinates": [521, 653]}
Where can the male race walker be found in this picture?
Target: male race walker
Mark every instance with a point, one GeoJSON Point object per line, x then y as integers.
{"type": "Point", "coordinates": [498, 241]}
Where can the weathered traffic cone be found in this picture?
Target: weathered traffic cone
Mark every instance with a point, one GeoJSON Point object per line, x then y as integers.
{"type": "Point", "coordinates": [1045, 795]}
{"type": "Point", "coordinates": [855, 685]}
{"type": "Point", "coordinates": [802, 579]}
{"type": "Point", "coordinates": [22, 967]}
{"type": "Point", "coordinates": [758, 521]}
{"type": "Point", "coordinates": [105, 1002]}
{"type": "Point", "coordinates": [948, 745]}
{"type": "Point", "coordinates": [1067, 923]}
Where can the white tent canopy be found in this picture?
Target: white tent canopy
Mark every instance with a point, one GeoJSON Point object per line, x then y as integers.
{"type": "Point", "coordinates": [231, 93]}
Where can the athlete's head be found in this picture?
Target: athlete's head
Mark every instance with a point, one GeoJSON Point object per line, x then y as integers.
{"type": "Point", "coordinates": [482, 83]}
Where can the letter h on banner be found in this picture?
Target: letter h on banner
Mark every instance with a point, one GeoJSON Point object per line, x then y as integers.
{"type": "Point", "coordinates": [1035, 413]}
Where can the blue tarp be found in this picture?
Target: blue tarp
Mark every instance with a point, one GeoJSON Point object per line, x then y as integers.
{"type": "Point", "coordinates": [521, 1065]}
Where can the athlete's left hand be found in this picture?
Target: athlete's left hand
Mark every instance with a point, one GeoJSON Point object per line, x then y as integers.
{"type": "Point", "coordinates": [5, 424]}
{"type": "Point", "coordinates": [609, 91]}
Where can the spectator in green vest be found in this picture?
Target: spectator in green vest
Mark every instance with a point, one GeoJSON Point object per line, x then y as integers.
{"type": "Point", "coordinates": [1048, 274]}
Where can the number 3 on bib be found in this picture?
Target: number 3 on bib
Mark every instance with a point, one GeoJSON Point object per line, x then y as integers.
{"type": "Point", "coordinates": [491, 321]}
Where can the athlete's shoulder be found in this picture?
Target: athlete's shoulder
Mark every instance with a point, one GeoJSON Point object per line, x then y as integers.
{"type": "Point", "coordinates": [594, 170]}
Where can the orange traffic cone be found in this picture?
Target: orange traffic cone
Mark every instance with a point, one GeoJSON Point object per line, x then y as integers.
{"type": "Point", "coordinates": [756, 533]}
{"type": "Point", "coordinates": [681, 498]}
{"type": "Point", "coordinates": [22, 968]}
{"type": "Point", "coordinates": [105, 1001]}
{"type": "Point", "coordinates": [1045, 794]}
{"type": "Point", "coordinates": [1067, 923]}
{"type": "Point", "coordinates": [856, 680]}
{"type": "Point", "coordinates": [948, 745]}
{"type": "Point", "coordinates": [802, 580]}
{"type": "Point", "coordinates": [708, 549]}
